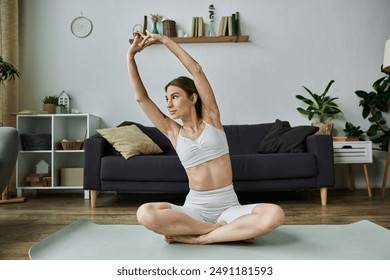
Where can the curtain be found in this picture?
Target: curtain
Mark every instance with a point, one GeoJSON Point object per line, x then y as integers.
{"type": "Point", "coordinates": [9, 50]}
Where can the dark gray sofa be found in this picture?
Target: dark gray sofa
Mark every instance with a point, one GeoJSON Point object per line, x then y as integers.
{"type": "Point", "coordinates": [106, 170]}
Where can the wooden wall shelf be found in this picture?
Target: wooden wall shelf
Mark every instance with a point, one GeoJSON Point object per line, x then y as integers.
{"type": "Point", "coordinates": [214, 39]}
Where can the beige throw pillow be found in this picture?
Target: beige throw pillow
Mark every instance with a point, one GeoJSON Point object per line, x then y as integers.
{"type": "Point", "coordinates": [130, 141]}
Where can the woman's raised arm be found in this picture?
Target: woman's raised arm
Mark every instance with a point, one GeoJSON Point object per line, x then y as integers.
{"type": "Point", "coordinates": [154, 114]}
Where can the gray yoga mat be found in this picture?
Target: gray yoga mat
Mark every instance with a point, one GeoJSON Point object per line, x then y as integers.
{"type": "Point", "coordinates": [84, 240]}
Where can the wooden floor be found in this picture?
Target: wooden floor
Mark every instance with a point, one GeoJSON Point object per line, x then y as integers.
{"type": "Point", "coordinates": [24, 224]}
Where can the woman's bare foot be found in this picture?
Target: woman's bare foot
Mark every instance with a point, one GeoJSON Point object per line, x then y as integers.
{"type": "Point", "coordinates": [192, 239]}
{"type": "Point", "coordinates": [201, 239]}
{"type": "Point", "coordinates": [188, 239]}
{"type": "Point", "coordinates": [249, 241]}
{"type": "Point", "coordinates": [197, 239]}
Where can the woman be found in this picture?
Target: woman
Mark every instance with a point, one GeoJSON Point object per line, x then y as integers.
{"type": "Point", "coordinates": [211, 212]}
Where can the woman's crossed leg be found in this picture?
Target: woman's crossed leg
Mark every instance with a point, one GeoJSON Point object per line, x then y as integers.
{"type": "Point", "coordinates": [177, 226]}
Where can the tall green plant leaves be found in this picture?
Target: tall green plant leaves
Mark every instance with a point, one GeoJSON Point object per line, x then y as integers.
{"type": "Point", "coordinates": [374, 104]}
{"type": "Point", "coordinates": [321, 106]}
{"type": "Point", "coordinates": [7, 71]}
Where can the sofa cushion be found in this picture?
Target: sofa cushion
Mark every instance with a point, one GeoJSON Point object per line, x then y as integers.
{"type": "Point", "coordinates": [129, 141]}
{"type": "Point", "coordinates": [143, 168]}
{"type": "Point", "coordinates": [244, 139]}
{"type": "Point", "coordinates": [156, 135]}
{"type": "Point", "coordinates": [273, 166]}
{"type": "Point", "coordinates": [282, 138]}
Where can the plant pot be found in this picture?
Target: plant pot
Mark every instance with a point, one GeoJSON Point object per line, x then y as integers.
{"type": "Point", "coordinates": [324, 128]}
{"type": "Point", "coordinates": [50, 108]}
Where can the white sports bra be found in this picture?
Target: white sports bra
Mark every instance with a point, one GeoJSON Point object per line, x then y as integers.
{"type": "Point", "coordinates": [211, 144]}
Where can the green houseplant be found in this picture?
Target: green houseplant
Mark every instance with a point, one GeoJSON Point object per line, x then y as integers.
{"type": "Point", "coordinates": [353, 132]}
{"type": "Point", "coordinates": [321, 107]}
{"type": "Point", "coordinates": [374, 104]}
{"type": "Point", "coordinates": [7, 73]}
{"type": "Point", "coordinates": [50, 104]}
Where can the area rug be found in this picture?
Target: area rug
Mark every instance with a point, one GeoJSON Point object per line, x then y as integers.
{"type": "Point", "coordinates": [84, 240]}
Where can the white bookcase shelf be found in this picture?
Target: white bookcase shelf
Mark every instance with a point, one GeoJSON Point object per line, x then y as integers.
{"type": "Point", "coordinates": [60, 127]}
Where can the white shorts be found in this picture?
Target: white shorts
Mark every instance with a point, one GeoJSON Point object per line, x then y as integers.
{"type": "Point", "coordinates": [214, 206]}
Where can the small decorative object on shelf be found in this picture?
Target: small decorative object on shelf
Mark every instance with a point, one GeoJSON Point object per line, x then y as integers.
{"type": "Point", "coordinates": [64, 100]}
{"type": "Point", "coordinates": [61, 109]}
{"type": "Point", "coordinates": [169, 28]}
{"type": "Point", "coordinates": [138, 28]}
{"type": "Point", "coordinates": [42, 167]}
{"type": "Point", "coordinates": [212, 20]}
{"type": "Point", "coordinates": [155, 19]}
{"type": "Point", "coordinates": [38, 180]}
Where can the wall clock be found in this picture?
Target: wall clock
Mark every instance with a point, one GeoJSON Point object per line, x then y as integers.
{"type": "Point", "coordinates": [81, 27]}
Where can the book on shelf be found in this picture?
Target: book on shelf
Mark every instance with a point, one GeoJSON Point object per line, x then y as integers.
{"type": "Point", "coordinates": [197, 27]}
{"type": "Point", "coordinates": [237, 18]}
{"type": "Point", "coordinates": [222, 26]}
{"type": "Point", "coordinates": [200, 27]}
{"type": "Point", "coordinates": [229, 25]}
{"type": "Point", "coordinates": [234, 24]}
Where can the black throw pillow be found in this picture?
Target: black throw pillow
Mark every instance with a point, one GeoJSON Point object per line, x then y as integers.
{"type": "Point", "coordinates": [282, 138]}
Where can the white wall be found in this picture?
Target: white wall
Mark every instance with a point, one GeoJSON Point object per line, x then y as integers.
{"type": "Point", "coordinates": [292, 43]}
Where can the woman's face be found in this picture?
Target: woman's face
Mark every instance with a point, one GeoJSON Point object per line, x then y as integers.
{"type": "Point", "coordinates": [178, 103]}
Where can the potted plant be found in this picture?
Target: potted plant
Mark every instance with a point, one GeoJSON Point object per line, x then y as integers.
{"type": "Point", "coordinates": [50, 104]}
{"type": "Point", "coordinates": [374, 104]}
{"type": "Point", "coordinates": [321, 107]}
{"type": "Point", "coordinates": [353, 133]}
{"type": "Point", "coordinates": [7, 73]}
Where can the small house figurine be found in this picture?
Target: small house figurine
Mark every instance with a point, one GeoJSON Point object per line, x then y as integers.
{"type": "Point", "coordinates": [64, 100]}
{"type": "Point", "coordinates": [42, 167]}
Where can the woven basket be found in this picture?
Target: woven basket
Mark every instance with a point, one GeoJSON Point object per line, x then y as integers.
{"type": "Point", "coordinates": [72, 145]}
{"type": "Point", "coordinates": [31, 142]}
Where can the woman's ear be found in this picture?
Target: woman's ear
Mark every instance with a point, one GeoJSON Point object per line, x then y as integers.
{"type": "Point", "coordinates": [194, 97]}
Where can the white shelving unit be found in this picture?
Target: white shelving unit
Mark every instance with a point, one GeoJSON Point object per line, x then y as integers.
{"type": "Point", "coordinates": [60, 127]}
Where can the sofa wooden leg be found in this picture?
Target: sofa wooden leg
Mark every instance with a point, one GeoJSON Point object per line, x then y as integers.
{"type": "Point", "coordinates": [324, 196]}
{"type": "Point", "coordinates": [93, 198]}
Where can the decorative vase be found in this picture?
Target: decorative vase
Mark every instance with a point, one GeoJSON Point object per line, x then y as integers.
{"type": "Point", "coordinates": [212, 29]}
{"type": "Point", "coordinates": [155, 31]}
{"type": "Point", "coordinates": [324, 128]}
{"type": "Point", "coordinates": [50, 108]}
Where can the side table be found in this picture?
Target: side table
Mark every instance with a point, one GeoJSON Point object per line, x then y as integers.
{"type": "Point", "coordinates": [352, 152]}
